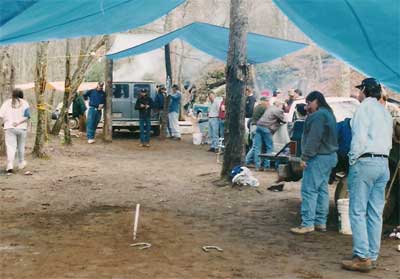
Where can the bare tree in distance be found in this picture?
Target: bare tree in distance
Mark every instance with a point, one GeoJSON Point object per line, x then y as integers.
{"type": "Point", "coordinates": [7, 83]}
{"type": "Point", "coordinates": [40, 87]}
{"type": "Point", "coordinates": [85, 59]}
{"type": "Point", "coordinates": [67, 92]}
{"type": "Point", "coordinates": [236, 77]}
{"type": "Point", "coordinates": [108, 78]}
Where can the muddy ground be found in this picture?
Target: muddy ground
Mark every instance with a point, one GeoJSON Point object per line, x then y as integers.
{"type": "Point", "coordinates": [73, 219]}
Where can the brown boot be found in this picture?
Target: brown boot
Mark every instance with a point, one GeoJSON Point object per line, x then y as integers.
{"type": "Point", "coordinates": [302, 230]}
{"type": "Point", "coordinates": [357, 264]}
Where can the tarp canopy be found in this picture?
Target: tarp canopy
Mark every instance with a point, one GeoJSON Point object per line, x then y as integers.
{"type": "Point", "coordinates": [214, 40]}
{"type": "Point", "coordinates": [39, 20]}
{"type": "Point", "coordinates": [363, 33]}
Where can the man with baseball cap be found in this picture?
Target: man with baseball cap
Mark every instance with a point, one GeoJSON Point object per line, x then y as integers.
{"type": "Point", "coordinates": [368, 175]}
{"type": "Point", "coordinates": [97, 98]}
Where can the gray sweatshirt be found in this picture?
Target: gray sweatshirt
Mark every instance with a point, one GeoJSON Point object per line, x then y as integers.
{"type": "Point", "coordinates": [319, 135]}
{"type": "Point", "coordinates": [272, 119]}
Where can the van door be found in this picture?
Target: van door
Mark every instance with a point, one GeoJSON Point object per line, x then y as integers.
{"type": "Point", "coordinates": [121, 102]}
{"type": "Point", "coordinates": [137, 87]}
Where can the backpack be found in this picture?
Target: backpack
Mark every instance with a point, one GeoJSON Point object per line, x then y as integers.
{"type": "Point", "coordinates": [344, 136]}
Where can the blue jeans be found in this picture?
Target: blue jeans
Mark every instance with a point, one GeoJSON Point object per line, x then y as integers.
{"type": "Point", "coordinates": [367, 181]}
{"type": "Point", "coordinates": [221, 127]}
{"type": "Point", "coordinates": [145, 127]}
{"type": "Point", "coordinates": [93, 119]}
{"type": "Point", "coordinates": [263, 136]}
{"type": "Point", "coordinates": [314, 190]}
{"type": "Point", "coordinates": [213, 124]}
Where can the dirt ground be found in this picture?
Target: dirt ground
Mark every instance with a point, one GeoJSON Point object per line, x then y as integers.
{"type": "Point", "coordinates": [73, 219]}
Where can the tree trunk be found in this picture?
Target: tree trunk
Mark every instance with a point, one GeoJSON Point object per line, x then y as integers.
{"type": "Point", "coordinates": [107, 126]}
{"type": "Point", "coordinates": [84, 61]}
{"type": "Point", "coordinates": [67, 93]}
{"type": "Point", "coordinates": [236, 77]}
{"type": "Point", "coordinates": [168, 70]}
{"type": "Point", "coordinates": [51, 103]}
{"type": "Point", "coordinates": [40, 87]}
{"type": "Point", "coordinates": [7, 82]}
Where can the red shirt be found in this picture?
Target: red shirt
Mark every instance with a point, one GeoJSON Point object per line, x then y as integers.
{"type": "Point", "coordinates": [221, 114]}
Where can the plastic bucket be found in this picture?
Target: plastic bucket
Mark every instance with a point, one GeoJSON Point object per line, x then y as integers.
{"type": "Point", "coordinates": [344, 220]}
{"type": "Point", "coordinates": [197, 137]}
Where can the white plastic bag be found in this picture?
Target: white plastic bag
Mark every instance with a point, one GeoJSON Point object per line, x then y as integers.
{"type": "Point", "coordinates": [245, 178]}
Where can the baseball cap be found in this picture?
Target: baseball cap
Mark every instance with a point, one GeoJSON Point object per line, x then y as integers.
{"type": "Point", "coordinates": [265, 95]}
{"type": "Point", "coordinates": [370, 83]}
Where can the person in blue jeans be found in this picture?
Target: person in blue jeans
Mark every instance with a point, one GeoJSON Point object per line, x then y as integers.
{"type": "Point", "coordinates": [371, 142]}
{"type": "Point", "coordinates": [267, 125]}
{"type": "Point", "coordinates": [319, 146]}
{"type": "Point", "coordinates": [97, 98]}
{"type": "Point", "coordinates": [213, 122]}
{"type": "Point", "coordinates": [144, 104]}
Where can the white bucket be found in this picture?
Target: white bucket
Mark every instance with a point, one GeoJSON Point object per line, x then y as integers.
{"type": "Point", "coordinates": [344, 220]}
{"type": "Point", "coordinates": [197, 137]}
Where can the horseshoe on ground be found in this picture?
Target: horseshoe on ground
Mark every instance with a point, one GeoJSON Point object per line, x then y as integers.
{"type": "Point", "coordinates": [208, 248]}
{"type": "Point", "coordinates": [141, 245]}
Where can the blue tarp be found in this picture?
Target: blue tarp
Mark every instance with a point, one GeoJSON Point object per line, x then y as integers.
{"type": "Point", "coordinates": [214, 40]}
{"type": "Point", "coordinates": [363, 33]}
{"type": "Point", "coordinates": [38, 20]}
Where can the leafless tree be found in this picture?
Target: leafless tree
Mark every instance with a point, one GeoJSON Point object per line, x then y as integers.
{"type": "Point", "coordinates": [40, 87]}
{"type": "Point", "coordinates": [108, 72]}
{"type": "Point", "coordinates": [7, 82]}
{"type": "Point", "coordinates": [236, 77]}
{"type": "Point", "coordinates": [85, 59]}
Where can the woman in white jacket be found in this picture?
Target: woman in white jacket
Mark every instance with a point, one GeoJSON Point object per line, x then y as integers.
{"type": "Point", "coordinates": [15, 114]}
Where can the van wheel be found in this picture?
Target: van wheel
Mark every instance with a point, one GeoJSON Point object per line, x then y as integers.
{"type": "Point", "coordinates": [156, 131]}
{"type": "Point", "coordinates": [73, 123]}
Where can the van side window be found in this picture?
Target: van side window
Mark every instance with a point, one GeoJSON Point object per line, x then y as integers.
{"type": "Point", "coordinates": [121, 91]}
{"type": "Point", "coordinates": [138, 87]}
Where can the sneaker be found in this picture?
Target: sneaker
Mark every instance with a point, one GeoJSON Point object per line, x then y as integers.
{"type": "Point", "coordinates": [320, 228]}
{"type": "Point", "coordinates": [91, 141]}
{"type": "Point", "coordinates": [302, 230]}
{"type": "Point", "coordinates": [357, 264]}
{"type": "Point", "coordinates": [146, 145]}
{"type": "Point", "coordinates": [211, 149]}
{"type": "Point", "coordinates": [176, 138]}
{"type": "Point", "coordinates": [9, 171]}
{"type": "Point", "coordinates": [22, 165]}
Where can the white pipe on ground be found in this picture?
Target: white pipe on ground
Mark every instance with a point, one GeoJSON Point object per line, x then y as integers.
{"type": "Point", "coordinates": [136, 221]}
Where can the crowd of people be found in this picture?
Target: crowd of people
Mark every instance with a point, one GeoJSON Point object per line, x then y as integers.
{"type": "Point", "coordinates": [371, 141]}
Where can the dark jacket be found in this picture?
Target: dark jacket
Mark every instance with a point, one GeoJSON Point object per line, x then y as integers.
{"type": "Point", "coordinates": [319, 135]}
{"type": "Point", "coordinates": [159, 101]}
{"type": "Point", "coordinates": [257, 114]}
{"type": "Point", "coordinates": [144, 112]}
{"type": "Point", "coordinates": [96, 97]}
{"type": "Point", "coordinates": [78, 106]}
{"type": "Point", "coordinates": [250, 102]}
